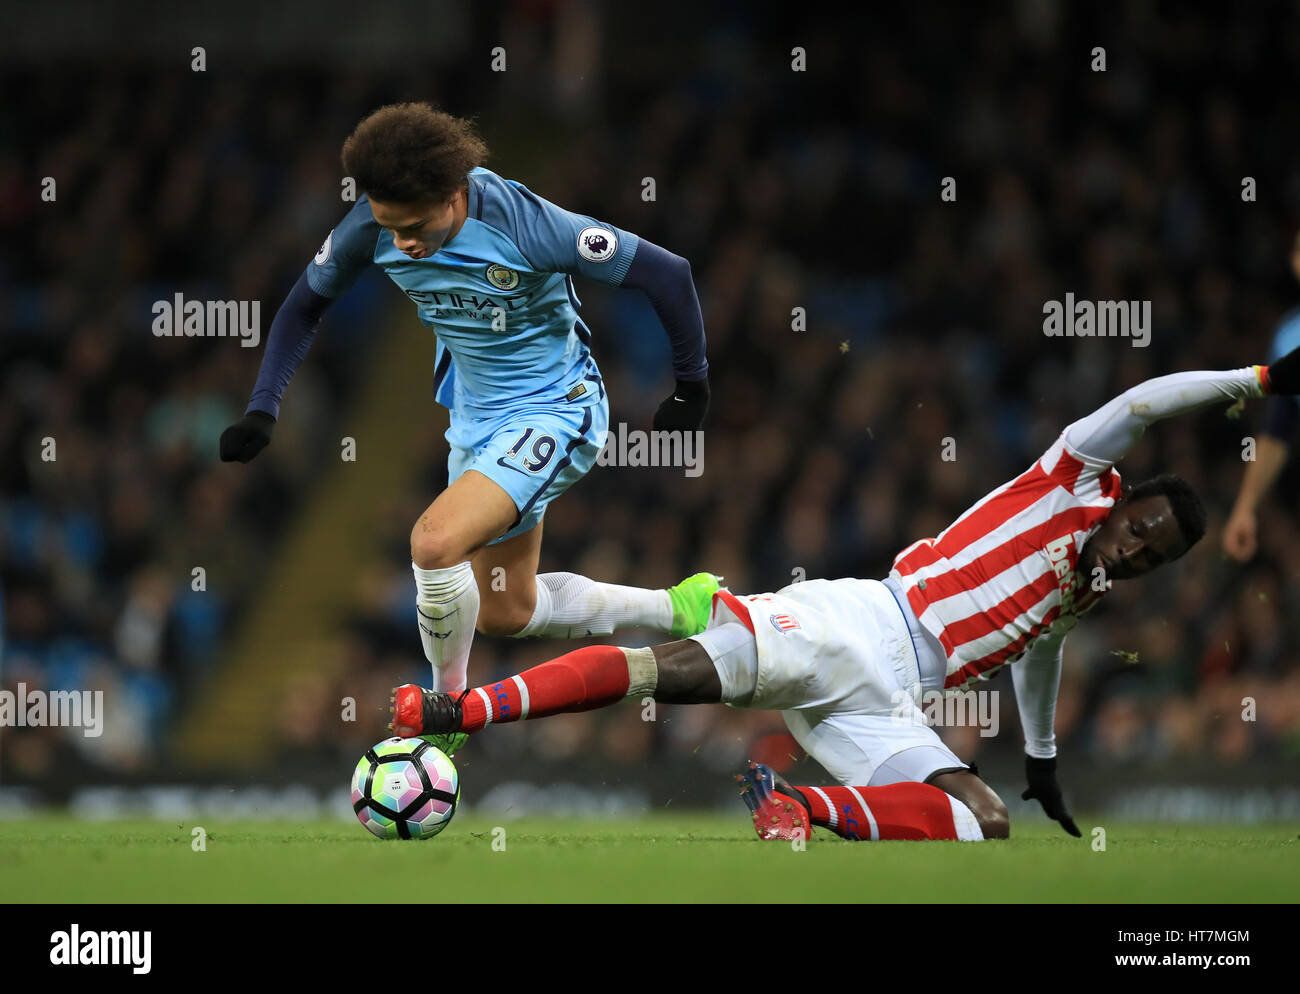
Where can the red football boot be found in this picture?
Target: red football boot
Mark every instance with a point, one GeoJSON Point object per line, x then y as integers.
{"type": "Point", "coordinates": [779, 811]}
{"type": "Point", "coordinates": [417, 711]}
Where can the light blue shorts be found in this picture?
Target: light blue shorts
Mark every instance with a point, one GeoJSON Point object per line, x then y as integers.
{"type": "Point", "coordinates": [533, 454]}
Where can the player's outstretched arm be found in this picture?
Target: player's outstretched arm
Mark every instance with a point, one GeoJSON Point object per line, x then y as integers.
{"type": "Point", "coordinates": [555, 240]}
{"type": "Point", "coordinates": [287, 343]}
{"type": "Point", "coordinates": [346, 253]}
{"type": "Point", "coordinates": [666, 279]}
{"type": "Point", "coordinates": [1110, 431]}
{"type": "Point", "coordinates": [1037, 678]}
{"type": "Point", "coordinates": [1239, 534]}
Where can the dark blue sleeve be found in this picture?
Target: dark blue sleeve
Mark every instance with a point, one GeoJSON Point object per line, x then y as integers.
{"type": "Point", "coordinates": [1280, 418]}
{"type": "Point", "coordinates": [287, 343]}
{"type": "Point", "coordinates": [666, 280]}
{"type": "Point", "coordinates": [347, 252]}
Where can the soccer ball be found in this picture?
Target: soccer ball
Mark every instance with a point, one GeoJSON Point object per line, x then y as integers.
{"type": "Point", "coordinates": [405, 789]}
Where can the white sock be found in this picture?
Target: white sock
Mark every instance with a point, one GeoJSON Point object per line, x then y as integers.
{"type": "Point", "coordinates": [967, 825]}
{"type": "Point", "coordinates": [446, 603]}
{"type": "Point", "coordinates": [572, 606]}
{"type": "Point", "coordinates": [642, 672]}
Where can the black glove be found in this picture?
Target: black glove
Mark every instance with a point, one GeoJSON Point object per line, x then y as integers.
{"type": "Point", "coordinates": [1284, 375]}
{"type": "Point", "coordinates": [246, 437]}
{"type": "Point", "coordinates": [685, 409]}
{"type": "Point", "coordinates": [1041, 774]}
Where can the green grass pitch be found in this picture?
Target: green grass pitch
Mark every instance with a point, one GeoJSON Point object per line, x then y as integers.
{"type": "Point", "coordinates": [662, 858]}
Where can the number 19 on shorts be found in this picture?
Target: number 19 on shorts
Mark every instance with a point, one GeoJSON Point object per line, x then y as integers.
{"type": "Point", "coordinates": [533, 457]}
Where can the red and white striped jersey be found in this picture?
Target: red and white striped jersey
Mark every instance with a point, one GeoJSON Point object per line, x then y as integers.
{"type": "Point", "coordinates": [1004, 572]}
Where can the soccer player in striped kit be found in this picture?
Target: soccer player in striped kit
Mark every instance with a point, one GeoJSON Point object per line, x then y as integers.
{"type": "Point", "coordinates": [490, 266]}
{"type": "Point", "coordinates": [846, 660]}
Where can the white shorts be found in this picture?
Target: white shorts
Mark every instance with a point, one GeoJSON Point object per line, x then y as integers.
{"type": "Point", "coordinates": [836, 657]}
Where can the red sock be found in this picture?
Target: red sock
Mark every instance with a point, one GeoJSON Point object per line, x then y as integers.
{"type": "Point", "coordinates": [582, 680]}
{"type": "Point", "coordinates": [897, 811]}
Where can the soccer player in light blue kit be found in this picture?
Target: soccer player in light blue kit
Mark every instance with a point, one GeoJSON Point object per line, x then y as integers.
{"type": "Point", "coordinates": [490, 267]}
{"type": "Point", "coordinates": [1281, 418]}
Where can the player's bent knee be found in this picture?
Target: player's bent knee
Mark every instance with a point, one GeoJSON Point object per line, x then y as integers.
{"type": "Point", "coordinates": [503, 613]}
{"type": "Point", "coordinates": [992, 815]}
{"type": "Point", "coordinates": [979, 798]}
{"type": "Point", "coordinates": [434, 550]}
{"type": "Point", "coordinates": [501, 623]}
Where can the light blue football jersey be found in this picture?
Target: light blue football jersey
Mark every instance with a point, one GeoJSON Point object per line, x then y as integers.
{"type": "Point", "coordinates": [1286, 338]}
{"type": "Point", "coordinates": [499, 294]}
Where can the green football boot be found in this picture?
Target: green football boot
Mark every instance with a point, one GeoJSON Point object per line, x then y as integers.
{"type": "Point", "coordinates": [692, 601]}
{"type": "Point", "coordinates": [447, 743]}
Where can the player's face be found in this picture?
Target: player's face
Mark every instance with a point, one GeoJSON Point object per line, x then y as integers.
{"type": "Point", "coordinates": [1137, 537]}
{"type": "Point", "coordinates": [418, 230]}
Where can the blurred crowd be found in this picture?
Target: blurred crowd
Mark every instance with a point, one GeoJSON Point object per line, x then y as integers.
{"type": "Point", "coordinates": [824, 450]}
{"type": "Point", "coordinates": [128, 551]}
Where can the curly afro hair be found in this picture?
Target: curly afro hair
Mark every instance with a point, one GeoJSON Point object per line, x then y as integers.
{"type": "Point", "coordinates": [411, 153]}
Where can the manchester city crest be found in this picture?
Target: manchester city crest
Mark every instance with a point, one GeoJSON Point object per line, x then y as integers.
{"type": "Point", "coordinates": [501, 277]}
